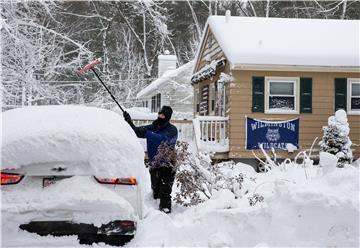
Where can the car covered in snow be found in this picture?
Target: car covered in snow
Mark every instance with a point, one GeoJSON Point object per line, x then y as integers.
{"type": "Point", "coordinates": [70, 170]}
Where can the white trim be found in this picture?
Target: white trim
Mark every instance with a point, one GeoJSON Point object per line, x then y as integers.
{"type": "Point", "coordinates": [350, 82]}
{"type": "Point", "coordinates": [295, 81]}
{"type": "Point", "coordinates": [307, 68]}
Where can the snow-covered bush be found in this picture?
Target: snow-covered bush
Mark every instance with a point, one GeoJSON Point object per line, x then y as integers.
{"type": "Point", "coordinates": [197, 178]}
{"type": "Point", "coordinates": [336, 138]}
{"type": "Point", "coordinates": [193, 178]}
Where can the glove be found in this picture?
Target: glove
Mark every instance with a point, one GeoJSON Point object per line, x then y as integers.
{"type": "Point", "coordinates": [126, 116]}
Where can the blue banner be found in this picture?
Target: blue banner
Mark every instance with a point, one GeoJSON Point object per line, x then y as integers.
{"type": "Point", "coordinates": [271, 134]}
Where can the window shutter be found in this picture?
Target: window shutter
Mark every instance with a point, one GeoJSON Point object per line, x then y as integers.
{"type": "Point", "coordinates": [305, 95]}
{"type": "Point", "coordinates": [258, 94]}
{"type": "Point", "coordinates": [340, 93]}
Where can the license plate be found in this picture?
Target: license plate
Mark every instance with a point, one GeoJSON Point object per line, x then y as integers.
{"type": "Point", "coordinates": [47, 181]}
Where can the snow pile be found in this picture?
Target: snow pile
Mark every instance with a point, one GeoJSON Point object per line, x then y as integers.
{"type": "Point", "coordinates": [301, 207]}
{"type": "Point", "coordinates": [71, 133]}
{"type": "Point", "coordinates": [328, 161]}
{"type": "Point", "coordinates": [140, 113]}
{"type": "Point", "coordinates": [290, 147]}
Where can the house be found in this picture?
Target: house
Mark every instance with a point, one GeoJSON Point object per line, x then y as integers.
{"type": "Point", "coordinates": [273, 71]}
{"type": "Point", "coordinates": [172, 87]}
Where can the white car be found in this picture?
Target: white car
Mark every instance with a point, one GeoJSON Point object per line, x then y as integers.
{"type": "Point", "coordinates": [70, 170]}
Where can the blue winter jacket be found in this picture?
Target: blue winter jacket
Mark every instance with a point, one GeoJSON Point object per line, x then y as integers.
{"type": "Point", "coordinates": [155, 135]}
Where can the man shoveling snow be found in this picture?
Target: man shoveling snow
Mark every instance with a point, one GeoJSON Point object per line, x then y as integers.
{"type": "Point", "coordinates": [161, 138]}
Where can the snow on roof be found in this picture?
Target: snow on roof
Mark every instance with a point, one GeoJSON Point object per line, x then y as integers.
{"type": "Point", "coordinates": [99, 137]}
{"type": "Point", "coordinates": [168, 76]}
{"type": "Point", "coordinates": [285, 41]}
{"type": "Point", "coordinates": [207, 71]}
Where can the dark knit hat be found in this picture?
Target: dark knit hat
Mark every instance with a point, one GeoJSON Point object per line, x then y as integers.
{"type": "Point", "coordinates": [167, 111]}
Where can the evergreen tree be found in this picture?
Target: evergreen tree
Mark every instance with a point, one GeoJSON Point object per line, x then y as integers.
{"type": "Point", "coordinates": [336, 139]}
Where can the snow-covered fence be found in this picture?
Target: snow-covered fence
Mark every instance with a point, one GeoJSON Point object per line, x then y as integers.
{"type": "Point", "coordinates": [211, 133]}
{"type": "Point", "coordinates": [185, 128]}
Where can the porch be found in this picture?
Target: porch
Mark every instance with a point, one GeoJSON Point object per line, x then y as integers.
{"type": "Point", "coordinates": [208, 133]}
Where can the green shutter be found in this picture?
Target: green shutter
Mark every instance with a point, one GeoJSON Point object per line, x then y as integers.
{"type": "Point", "coordinates": [340, 93]}
{"type": "Point", "coordinates": [305, 95]}
{"type": "Point", "coordinates": [258, 94]}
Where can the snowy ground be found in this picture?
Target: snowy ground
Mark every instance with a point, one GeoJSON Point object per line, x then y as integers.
{"type": "Point", "coordinates": [298, 210]}
{"type": "Point", "coordinates": [301, 206]}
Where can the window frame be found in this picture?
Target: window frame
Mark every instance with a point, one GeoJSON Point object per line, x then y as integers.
{"type": "Point", "coordinates": [296, 83]}
{"type": "Point", "coordinates": [153, 104]}
{"type": "Point", "coordinates": [158, 102]}
{"type": "Point", "coordinates": [350, 82]}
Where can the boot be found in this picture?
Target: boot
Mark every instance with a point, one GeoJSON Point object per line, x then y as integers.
{"type": "Point", "coordinates": [165, 210]}
{"type": "Point", "coordinates": [165, 205]}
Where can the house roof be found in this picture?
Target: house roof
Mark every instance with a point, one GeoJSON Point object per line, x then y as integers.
{"type": "Point", "coordinates": [168, 77]}
{"type": "Point", "coordinates": [285, 41]}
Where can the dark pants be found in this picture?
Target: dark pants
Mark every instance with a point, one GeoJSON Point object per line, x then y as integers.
{"type": "Point", "coordinates": [162, 180]}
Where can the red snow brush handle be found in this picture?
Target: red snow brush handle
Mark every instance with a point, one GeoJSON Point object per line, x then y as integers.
{"type": "Point", "coordinates": [91, 65]}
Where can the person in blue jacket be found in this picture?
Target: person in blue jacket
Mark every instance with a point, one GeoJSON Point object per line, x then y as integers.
{"type": "Point", "coordinates": [159, 135]}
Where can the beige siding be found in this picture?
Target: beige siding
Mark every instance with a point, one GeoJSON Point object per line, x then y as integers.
{"type": "Point", "coordinates": [239, 101]}
{"type": "Point", "coordinates": [310, 124]}
{"type": "Point", "coordinates": [210, 50]}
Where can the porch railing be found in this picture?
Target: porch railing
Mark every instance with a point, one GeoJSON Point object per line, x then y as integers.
{"type": "Point", "coordinates": [211, 133]}
{"type": "Point", "coordinates": [185, 128]}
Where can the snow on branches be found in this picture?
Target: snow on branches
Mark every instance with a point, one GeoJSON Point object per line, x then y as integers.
{"type": "Point", "coordinates": [336, 139]}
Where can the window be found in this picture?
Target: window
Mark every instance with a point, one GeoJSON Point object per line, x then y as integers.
{"type": "Point", "coordinates": [282, 95]}
{"type": "Point", "coordinates": [353, 101]}
{"type": "Point", "coordinates": [204, 103]}
{"type": "Point", "coordinates": [153, 104]}
{"type": "Point", "coordinates": [196, 99]}
{"type": "Point", "coordinates": [156, 103]}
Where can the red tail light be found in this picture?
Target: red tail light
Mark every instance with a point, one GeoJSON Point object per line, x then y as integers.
{"type": "Point", "coordinates": [10, 178]}
{"type": "Point", "coordinates": [121, 181]}
{"type": "Point", "coordinates": [127, 223]}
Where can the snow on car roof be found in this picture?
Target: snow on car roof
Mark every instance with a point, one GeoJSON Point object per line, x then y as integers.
{"type": "Point", "coordinates": [287, 41]}
{"type": "Point", "coordinates": [43, 134]}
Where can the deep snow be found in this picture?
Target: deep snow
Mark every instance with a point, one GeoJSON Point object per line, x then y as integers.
{"type": "Point", "coordinates": [322, 210]}
{"type": "Point", "coordinates": [314, 210]}
{"type": "Point", "coordinates": [303, 205]}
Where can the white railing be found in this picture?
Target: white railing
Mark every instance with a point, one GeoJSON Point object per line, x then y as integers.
{"type": "Point", "coordinates": [185, 128]}
{"type": "Point", "coordinates": [211, 133]}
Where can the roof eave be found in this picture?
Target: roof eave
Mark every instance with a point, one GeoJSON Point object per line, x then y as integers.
{"type": "Point", "coordinates": [308, 68]}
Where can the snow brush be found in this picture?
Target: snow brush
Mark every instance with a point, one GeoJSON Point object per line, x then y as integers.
{"type": "Point", "coordinates": [91, 67]}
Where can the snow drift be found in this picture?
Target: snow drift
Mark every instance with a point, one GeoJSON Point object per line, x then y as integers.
{"type": "Point", "coordinates": [317, 210]}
